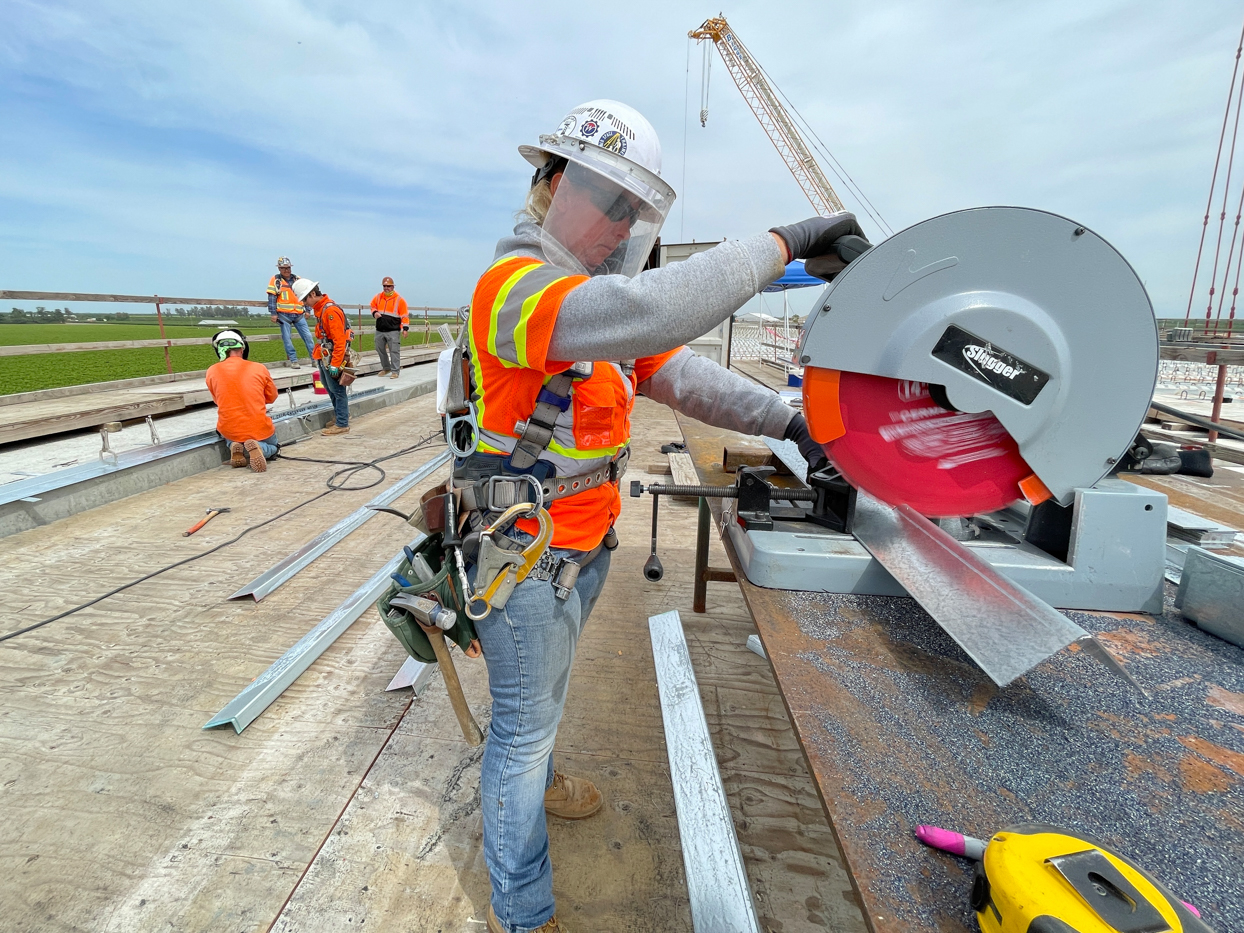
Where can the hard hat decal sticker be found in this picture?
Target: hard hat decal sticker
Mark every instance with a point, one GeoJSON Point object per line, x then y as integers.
{"type": "Point", "coordinates": [990, 364]}
{"type": "Point", "coordinates": [567, 126]}
{"type": "Point", "coordinates": [614, 142]}
{"type": "Point", "coordinates": [588, 129]}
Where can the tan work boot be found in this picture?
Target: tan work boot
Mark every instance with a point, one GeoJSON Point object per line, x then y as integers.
{"type": "Point", "coordinates": [572, 798]}
{"type": "Point", "coordinates": [494, 925]}
{"type": "Point", "coordinates": [259, 463]}
{"type": "Point", "coordinates": [335, 429]}
{"type": "Point", "coordinates": [237, 455]}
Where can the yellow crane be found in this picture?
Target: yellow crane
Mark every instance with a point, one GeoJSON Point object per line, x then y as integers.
{"type": "Point", "coordinates": [764, 100]}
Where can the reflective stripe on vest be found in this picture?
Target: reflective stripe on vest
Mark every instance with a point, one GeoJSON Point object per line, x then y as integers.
{"type": "Point", "coordinates": [512, 312]}
{"type": "Point", "coordinates": [286, 301]}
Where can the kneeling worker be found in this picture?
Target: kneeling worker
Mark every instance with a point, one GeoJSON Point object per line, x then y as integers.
{"type": "Point", "coordinates": [242, 390]}
{"type": "Point", "coordinates": [332, 339]}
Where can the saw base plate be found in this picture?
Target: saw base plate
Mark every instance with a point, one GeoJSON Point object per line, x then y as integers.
{"type": "Point", "coordinates": [1116, 561]}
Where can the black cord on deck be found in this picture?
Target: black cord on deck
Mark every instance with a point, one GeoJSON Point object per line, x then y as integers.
{"type": "Point", "coordinates": [334, 485]}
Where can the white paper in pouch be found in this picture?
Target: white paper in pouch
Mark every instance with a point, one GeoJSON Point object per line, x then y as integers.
{"type": "Point", "coordinates": [444, 366]}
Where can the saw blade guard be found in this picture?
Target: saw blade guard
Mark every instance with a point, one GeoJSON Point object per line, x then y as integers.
{"type": "Point", "coordinates": [1017, 312]}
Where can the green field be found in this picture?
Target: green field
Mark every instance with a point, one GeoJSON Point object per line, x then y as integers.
{"type": "Point", "coordinates": [52, 370]}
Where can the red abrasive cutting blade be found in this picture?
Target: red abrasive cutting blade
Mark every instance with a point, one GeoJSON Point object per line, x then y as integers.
{"type": "Point", "coordinates": [902, 447]}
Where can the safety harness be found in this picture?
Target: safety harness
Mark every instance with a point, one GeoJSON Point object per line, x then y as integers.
{"type": "Point", "coordinates": [487, 485]}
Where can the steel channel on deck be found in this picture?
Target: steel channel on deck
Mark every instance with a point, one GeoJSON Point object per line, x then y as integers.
{"type": "Point", "coordinates": [58, 479]}
{"type": "Point", "coordinates": [258, 695]}
{"type": "Point", "coordinates": [279, 573]}
{"type": "Point", "coordinates": [717, 887]}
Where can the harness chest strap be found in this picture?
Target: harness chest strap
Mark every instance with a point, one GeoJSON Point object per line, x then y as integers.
{"type": "Point", "coordinates": [535, 434]}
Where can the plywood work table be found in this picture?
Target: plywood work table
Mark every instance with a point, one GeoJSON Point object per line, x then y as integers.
{"type": "Point", "coordinates": [900, 728]}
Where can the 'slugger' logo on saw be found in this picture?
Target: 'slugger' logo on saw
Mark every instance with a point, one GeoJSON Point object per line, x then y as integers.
{"type": "Point", "coordinates": [990, 364]}
{"type": "Point", "coordinates": [983, 358]}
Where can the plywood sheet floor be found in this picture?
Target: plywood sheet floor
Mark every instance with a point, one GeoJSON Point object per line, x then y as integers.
{"type": "Point", "coordinates": [344, 807]}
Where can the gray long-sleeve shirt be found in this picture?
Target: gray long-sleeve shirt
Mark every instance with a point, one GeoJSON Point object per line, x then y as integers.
{"type": "Point", "coordinates": [612, 317]}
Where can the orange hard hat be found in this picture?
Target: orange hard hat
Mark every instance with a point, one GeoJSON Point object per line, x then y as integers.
{"type": "Point", "coordinates": [387, 281]}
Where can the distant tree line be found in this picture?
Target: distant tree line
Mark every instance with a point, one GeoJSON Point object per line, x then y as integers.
{"type": "Point", "coordinates": [41, 315]}
{"type": "Point", "coordinates": [220, 311]}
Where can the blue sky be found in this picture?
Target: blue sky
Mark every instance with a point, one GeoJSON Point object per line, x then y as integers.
{"type": "Point", "coordinates": [179, 149]}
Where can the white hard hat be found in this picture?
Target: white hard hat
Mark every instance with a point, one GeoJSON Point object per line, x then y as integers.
{"type": "Point", "coordinates": [612, 141]}
{"type": "Point", "coordinates": [302, 288]}
{"type": "Point", "coordinates": [226, 340]}
{"type": "Point", "coordinates": [604, 126]}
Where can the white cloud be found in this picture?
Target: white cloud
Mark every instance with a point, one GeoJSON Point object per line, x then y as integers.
{"type": "Point", "coordinates": [198, 141]}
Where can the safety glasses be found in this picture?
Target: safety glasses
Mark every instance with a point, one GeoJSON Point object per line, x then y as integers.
{"type": "Point", "coordinates": [614, 204]}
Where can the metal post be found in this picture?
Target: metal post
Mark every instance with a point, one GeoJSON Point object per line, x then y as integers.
{"type": "Point", "coordinates": [700, 592]}
{"type": "Point", "coordinates": [168, 362]}
{"type": "Point", "coordinates": [1219, 389]}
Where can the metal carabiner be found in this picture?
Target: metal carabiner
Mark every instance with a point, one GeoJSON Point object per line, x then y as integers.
{"type": "Point", "coordinates": [504, 570]}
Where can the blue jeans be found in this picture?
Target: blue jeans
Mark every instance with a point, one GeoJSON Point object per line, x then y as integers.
{"type": "Point", "coordinates": [529, 647]}
{"type": "Point", "coordinates": [268, 446]}
{"type": "Point", "coordinates": [288, 322]}
{"type": "Point", "coordinates": [336, 392]}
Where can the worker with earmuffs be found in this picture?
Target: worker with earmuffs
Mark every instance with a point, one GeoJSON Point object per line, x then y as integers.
{"type": "Point", "coordinates": [332, 336]}
{"type": "Point", "coordinates": [242, 390]}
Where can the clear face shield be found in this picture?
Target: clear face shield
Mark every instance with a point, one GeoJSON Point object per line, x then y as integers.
{"type": "Point", "coordinates": [603, 220]}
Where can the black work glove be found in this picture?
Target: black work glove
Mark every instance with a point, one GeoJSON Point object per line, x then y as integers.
{"type": "Point", "coordinates": [828, 243]}
{"type": "Point", "coordinates": [814, 453]}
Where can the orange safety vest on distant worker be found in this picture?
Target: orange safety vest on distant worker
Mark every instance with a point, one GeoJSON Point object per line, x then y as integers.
{"type": "Point", "coordinates": [286, 301]}
{"type": "Point", "coordinates": [393, 305]}
{"type": "Point", "coordinates": [513, 311]}
{"type": "Point", "coordinates": [332, 327]}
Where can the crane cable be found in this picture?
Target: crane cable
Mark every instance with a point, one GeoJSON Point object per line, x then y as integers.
{"type": "Point", "coordinates": [835, 166]}
{"type": "Point", "coordinates": [1231, 94]}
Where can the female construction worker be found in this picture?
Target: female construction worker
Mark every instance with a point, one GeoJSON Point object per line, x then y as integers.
{"type": "Point", "coordinates": [564, 330]}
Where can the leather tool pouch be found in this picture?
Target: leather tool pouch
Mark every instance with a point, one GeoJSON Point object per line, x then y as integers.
{"type": "Point", "coordinates": [443, 587]}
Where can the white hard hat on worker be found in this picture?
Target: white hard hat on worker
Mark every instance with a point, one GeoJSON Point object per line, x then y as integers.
{"type": "Point", "coordinates": [597, 193]}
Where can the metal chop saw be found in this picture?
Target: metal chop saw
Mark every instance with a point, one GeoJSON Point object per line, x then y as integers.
{"type": "Point", "coordinates": [974, 381]}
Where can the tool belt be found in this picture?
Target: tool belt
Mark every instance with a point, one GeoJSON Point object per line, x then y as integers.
{"type": "Point", "coordinates": [500, 490]}
{"type": "Point", "coordinates": [442, 586]}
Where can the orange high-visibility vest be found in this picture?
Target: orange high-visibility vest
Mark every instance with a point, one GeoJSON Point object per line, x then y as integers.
{"type": "Point", "coordinates": [513, 311]}
{"type": "Point", "coordinates": [393, 304]}
{"type": "Point", "coordinates": [286, 301]}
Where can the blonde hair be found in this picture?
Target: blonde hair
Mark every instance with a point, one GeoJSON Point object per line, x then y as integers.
{"type": "Point", "coordinates": [536, 207]}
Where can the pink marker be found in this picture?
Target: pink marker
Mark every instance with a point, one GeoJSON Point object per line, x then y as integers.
{"type": "Point", "coordinates": [952, 842]}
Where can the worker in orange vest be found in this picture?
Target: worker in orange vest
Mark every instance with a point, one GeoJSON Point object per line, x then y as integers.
{"type": "Point", "coordinates": [564, 330]}
{"type": "Point", "coordinates": [287, 311]}
{"type": "Point", "coordinates": [333, 336]}
{"type": "Point", "coordinates": [241, 390]}
{"type": "Point", "coordinates": [392, 322]}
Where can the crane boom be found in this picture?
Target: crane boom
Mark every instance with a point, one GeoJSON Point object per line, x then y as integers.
{"type": "Point", "coordinates": [773, 117]}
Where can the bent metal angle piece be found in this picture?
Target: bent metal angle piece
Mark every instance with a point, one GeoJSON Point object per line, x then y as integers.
{"type": "Point", "coordinates": [717, 887]}
{"type": "Point", "coordinates": [258, 695]}
{"type": "Point", "coordinates": [279, 573]}
{"type": "Point", "coordinates": [413, 673]}
{"type": "Point", "coordinates": [1005, 629]}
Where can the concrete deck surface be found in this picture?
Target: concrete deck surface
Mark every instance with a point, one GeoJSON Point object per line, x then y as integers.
{"type": "Point", "coordinates": [342, 806]}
